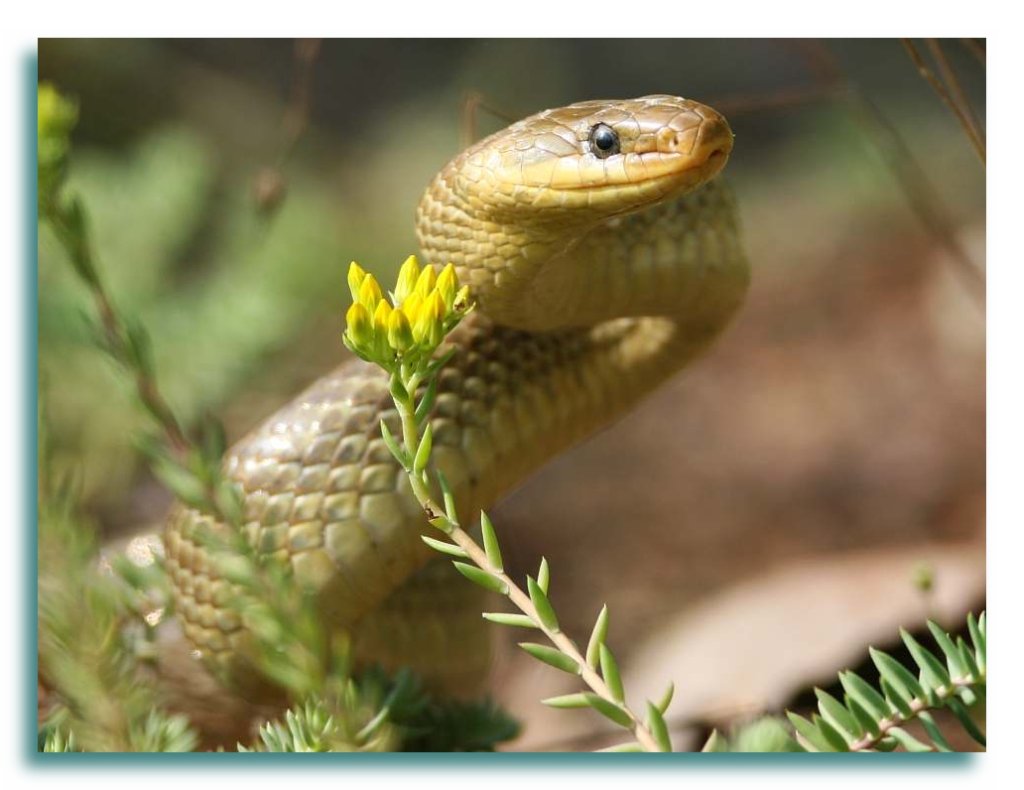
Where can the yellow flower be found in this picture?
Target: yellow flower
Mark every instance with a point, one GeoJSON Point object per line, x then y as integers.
{"type": "Point", "coordinates": [400, 335]}
{"type": "Point", "coordinates": [369, 293]}
{"type": "Point", "coordinates": [447, 282]}
{"type": "Point", "coordinates": [380, 317]}
{"type": "Point", "coordinates": [407, 277]}
{"type": "Point", "coordinates": [423, 308]}
{"type": "Point", "coordinates": [425, 283]}
{"type": "Point", "coordinates": [356, 275]}
{"type": "Point", "coordinates": [360, 327]}
{"type": "Point", "coordinates": [429, 326]}
{"type": "Point", "coordinates": [411, 306]}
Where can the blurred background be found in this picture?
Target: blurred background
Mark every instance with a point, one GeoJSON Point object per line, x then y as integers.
{"type": "Point", "coordinates": [817, 479]}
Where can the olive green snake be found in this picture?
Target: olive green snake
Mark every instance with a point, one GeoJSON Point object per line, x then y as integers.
{"type": "Point", "coordinates": [603, 255]}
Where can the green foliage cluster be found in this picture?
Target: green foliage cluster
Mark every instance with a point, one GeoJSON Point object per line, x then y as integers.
{"type": "Point", "coordinates": [174, 256]}
{"type": "Point", "coordinates": [871, 719]}
{"type": "Point", "coordinates": [407, 718]}
{"type": "Point", "coordinates": [92, 634]}
{"type": "Point", "coordinates": [92, 624]}
{"type": "Point", "coordinates": [93, 659]}
{"type": "Point", "coordinates": [875, 719]}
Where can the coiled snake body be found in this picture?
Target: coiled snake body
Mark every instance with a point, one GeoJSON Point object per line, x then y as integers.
{"type": "Point", "coordinates": [603, 257]}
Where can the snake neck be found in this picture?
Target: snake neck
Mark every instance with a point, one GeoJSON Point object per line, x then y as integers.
{"type": "Point", "coordinates": [653, 287]}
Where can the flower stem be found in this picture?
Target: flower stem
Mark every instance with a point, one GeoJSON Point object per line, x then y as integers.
{"type": "Point", "coordinates": [411, 436]}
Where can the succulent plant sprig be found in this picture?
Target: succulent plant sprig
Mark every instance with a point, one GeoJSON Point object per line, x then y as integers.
{"type": "Point", "coordinates": [402, 334]}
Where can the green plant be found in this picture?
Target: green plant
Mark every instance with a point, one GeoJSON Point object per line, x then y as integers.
{"type": "Point", "coordinates": [401, 335]}
{"type": "Point", "coordinates": [876, 719]}
{"type": "Point", "coordinates": [90, 623]}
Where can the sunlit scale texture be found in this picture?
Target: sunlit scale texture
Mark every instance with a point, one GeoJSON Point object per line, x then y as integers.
{"type": "Point", "coordinates": [645, 291]}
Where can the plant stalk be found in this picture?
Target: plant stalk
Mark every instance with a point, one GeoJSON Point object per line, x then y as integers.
{"type": "Point", "coordinates": [411, 436]}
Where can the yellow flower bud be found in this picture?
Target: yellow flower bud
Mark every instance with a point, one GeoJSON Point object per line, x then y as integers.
{"type": "Point", "coordinates": [359, 327]}
{"type": "Point", "coordinates": [407, 277]}
{"type": "Point", "coordinates": [356, 275]}
{"type": "Point", "coordinates": [447, 282]}
{"type": "Point", "coordinates": [380, 317]}
{"type": "Point", "coordinates": [461, 302]}
{"type": "Point", "coordinates": [380, 330]}
{"type": "Point", "coordinates": [426, 281]}
{"type": "Point", "coordinates": [429, 326]}
{"type": "Point", "coordinates": [400, 335]}
{"type": "Point", "coordinates": [411, 307]}
{"type": "Point", "coordinates": [369, 293]}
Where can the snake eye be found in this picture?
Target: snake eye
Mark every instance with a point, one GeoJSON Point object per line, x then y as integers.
{"type": "Point", "coordinates": [604, 142]}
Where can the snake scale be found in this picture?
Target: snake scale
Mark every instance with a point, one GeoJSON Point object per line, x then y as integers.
{"type": "Point", "coordinates": [603, 255]}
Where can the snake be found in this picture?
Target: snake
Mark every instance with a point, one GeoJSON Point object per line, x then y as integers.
{"type": "Point", "coordinates": [603, 254]}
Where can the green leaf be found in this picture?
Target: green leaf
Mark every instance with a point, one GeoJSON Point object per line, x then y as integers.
{"type": "Point", "coordinates": [666, 698]}
{"type": "Point", "coordinates": [481, 577]}
{"type": "Point", "coordinates": [836, 742]}
{"type": "Point", "coordinates": [610, 673]}
{"type": "Point", "coordinates": [977, 630]}
{"type": "Point", "coordinates": [716, 742]}
{"type": "Point", "coordinates": [860, 690]}
{"type": "Point", "coordinates": [373, 726]}
{"type": "Point", "coordinates": [954, 665]}
{"type": "Point", "coordinates": [442, 523]}
{"type": "Point", "coordinates": [444, 547]}
{"type": "Point", "coordinates": [934, 732]}
{"type": "Point", "coordinates": [544, 575]}
{"type": "Point", "coordinates": [422, 458]}
{"type": "Point", "coordinates": [809, 732]}
{"type": "Point", "coordinates": [434, 367]}
{"type": "Point", "coordinates": [608, 709]}
{"type": "Point", "coordinates": [545, 611]}
{"type": "Point", "coordinates": [908, 741]}
{"type": "Point", "coordinates": [567, 701]}
{"type": "Point", "coordinates": [551, 657]}
{"type": "Point", "coordinates": [427, 401]}
{"type": "Point", "coordinates": [932, 671]}
{"type": "Point", "coordinates": [763, 734]}
{"type": "Point", "coordinates": [658, 727]}
{"type": "Point", "coordinates": [449, 497]}
{"type": "Point", "coordinates": [967, 657]}
{"type": "Point", "coordinates": [837, 715]}
{"type": "Point", "coordinates": [597, 637]}
{"type": "Point", "coordinates": [447, 725]}
{"type": "Point", "coordinates": [898, 676]}
{"type": "Point", "coordinates": [969, 696]}
{"type": "Point", "coordinates": [182, 483]}
{"type": "Point", "coordinates": [864, 718]}
{"type": "Point", "coordinates": [964, 717]}
{"type": "Point", "coordinates": [504, 618]}
{"type": "Point", "coordinates": [139, 348]}
{"type": "Point", "coordinates": [896, 699]}
{"type": "Point", "coordinates": [398, 390]}
{"type": "Point", "coordinates": [396, 449]}
{"type": "Point", "coordinates": [490, 541]}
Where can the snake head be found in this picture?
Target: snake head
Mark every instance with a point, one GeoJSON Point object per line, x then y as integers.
{"type": "Point", "coordinates": [597, 159]}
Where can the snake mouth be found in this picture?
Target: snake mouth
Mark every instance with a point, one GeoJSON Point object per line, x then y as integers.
{"type": "Point", "coordinates": [657, 175]}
